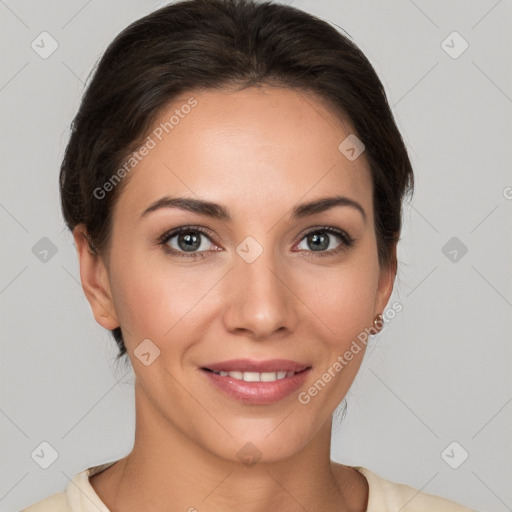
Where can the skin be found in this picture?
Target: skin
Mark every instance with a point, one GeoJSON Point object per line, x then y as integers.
{"type": "Point", "coordinates": [258, 152]}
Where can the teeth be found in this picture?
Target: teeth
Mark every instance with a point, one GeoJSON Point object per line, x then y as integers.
{"type": "Point", "coordinates": [255, 376]}
{"type": "Point", "coordinates": [251, 377]}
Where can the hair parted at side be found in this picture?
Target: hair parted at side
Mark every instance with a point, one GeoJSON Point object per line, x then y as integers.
{"type": "Point", "coordinates": [192, 45]}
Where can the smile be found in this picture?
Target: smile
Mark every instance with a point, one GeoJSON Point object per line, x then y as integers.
{"type": "Point", "coordinates": [257, 382]}
{"type": "Point", "coordinates": [257, 377]}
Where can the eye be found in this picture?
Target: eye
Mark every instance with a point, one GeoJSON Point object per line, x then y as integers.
{"type": "Point", "coordinates": [320, 239]}
{"type": "Point", "coordinates": [188, 241]}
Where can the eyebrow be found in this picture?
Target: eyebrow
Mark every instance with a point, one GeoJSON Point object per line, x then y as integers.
{"type": "Point", "coordinates": [217, 211]}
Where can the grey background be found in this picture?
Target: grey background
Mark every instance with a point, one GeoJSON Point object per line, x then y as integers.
{"type": "Point", "coordinates": [439, 372]}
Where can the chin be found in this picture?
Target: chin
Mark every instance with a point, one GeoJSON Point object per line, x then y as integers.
{"type": "Point", "coordinates": [275, 441]}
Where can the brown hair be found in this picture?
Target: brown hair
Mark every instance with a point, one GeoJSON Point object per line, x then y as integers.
{"type": "Point", "coordinates": [214, 44]}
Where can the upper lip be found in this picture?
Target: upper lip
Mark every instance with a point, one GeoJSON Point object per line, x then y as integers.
{"type": "Point", "coordinates": [251, 365]}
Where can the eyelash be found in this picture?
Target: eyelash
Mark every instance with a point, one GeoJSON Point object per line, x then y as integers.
{"type": "Point", "coordinates": [347, 241]}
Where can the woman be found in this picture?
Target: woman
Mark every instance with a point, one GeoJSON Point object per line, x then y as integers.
{"type": "Point", "coordinates": [234, 182]}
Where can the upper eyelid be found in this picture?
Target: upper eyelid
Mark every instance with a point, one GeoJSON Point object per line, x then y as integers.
{"type": "Point", "coordinates": [171, 233]}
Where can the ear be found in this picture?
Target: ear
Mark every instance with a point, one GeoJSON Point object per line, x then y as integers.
{"type": "Point", "coordinates": [95, 283]}
{"type": "Point", "coordinates": [386, 282]}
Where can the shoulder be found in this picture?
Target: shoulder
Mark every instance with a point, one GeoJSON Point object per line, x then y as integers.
{"type": "Point", "coordinates": [57, 502]}
{"type": "Point", "coordinates": [79, 495]}
{"type": "Point", "coordinates": [385, 495]}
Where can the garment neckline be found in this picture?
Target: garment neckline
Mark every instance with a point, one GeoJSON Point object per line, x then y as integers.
{"type": "Point", "coordinates": [81, 487]}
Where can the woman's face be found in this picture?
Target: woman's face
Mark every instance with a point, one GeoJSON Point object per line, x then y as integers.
{"type": "Point", "coordinates": [269, 283]}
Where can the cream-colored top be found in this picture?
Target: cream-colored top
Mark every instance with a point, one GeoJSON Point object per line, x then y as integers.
{"type": "Point", "coordinates": [383, 496]}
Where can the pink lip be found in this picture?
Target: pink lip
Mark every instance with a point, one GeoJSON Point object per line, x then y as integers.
{"type": "Point", "coordinates": [257, 393]}
{"type": "Point", "coordinates": [250, 365]}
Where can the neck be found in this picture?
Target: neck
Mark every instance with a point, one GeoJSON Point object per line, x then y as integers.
{"type": "Point", "coordinates": [166, 470]}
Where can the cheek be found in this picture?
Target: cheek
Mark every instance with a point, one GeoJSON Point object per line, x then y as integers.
{"type": "Point", "coordinates": [150, 299]}
{"type": "Point", "coordinates": [343, 307]}
{"type": "Point", "coordinates": [343, 299]}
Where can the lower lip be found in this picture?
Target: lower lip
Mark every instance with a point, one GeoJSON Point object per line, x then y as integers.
{"type": "Point", "coordinates": [258, 393]}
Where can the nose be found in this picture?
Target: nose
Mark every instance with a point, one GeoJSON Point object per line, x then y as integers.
{"type": "Point", "coordinates": [261, 302]}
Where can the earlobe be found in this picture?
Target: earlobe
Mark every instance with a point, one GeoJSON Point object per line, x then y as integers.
{"type": "Point", "coordinates": [94, 278]}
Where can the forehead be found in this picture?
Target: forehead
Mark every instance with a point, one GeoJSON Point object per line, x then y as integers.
{"type": "Point", "coordinates": [258, 148]}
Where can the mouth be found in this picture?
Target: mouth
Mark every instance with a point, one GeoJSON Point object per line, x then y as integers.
{"type": "Point", "coordinates": [255, 376]}
{"type": "Point", "coordinates": [257, 382]}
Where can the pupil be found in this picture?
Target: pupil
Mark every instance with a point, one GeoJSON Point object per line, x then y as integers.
{"type": "Point", "coordinates": [314, 238]}
{"type": "Point", "coordinates": [191, 241]}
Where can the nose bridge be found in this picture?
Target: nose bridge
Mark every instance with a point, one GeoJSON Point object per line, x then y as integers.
{"type": "Point", "coordinates": [260, 300]}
